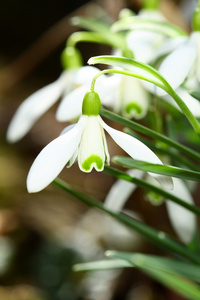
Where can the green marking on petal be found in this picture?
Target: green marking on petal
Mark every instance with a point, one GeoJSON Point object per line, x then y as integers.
{"type": "Point", "coordinates": [93, 159]}
{"type": "Point", "coordinates": [133, 106]}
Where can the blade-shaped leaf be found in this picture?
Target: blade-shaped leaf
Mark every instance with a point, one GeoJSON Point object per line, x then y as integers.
{"type": "Point", "coordinates": [171, 275]}
{"type": "Point", "coordinates": [155, 168]}
{"type": "Point", "coordinates": [102, 265]}
{"type": "Point", "coordinates": [159, 238]}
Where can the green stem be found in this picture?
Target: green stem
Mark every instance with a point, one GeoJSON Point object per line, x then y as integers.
{"type": "Point", "coordinates": [149, 132]}
{"type": "Point", "coordinates": [147, 186]}
{"type": "Point", "coordinates": [115, 41]}
{"type": "Point", "coordinates": [133, 68]}
{"type": "Point", "coordinates": [156, 237]}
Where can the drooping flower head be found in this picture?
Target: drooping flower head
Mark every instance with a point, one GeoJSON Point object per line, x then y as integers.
{"type": "Point", "coordinates": [74, 77]}
{"type": "Point", "coordinates": [85, 141]}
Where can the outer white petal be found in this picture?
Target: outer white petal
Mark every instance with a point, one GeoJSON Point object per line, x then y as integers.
{"type": "Point", "coordinates": [176, 66]}
{"type": "Point", "coordinates": [139, 151]}
{"type": "Point", "coordinates": [121, 191]}
{"type": "Point", "coordinates": [70, 107]}
{"type": "Point", "coordinates": [182, 220]}
{"type": "Point", "coordinates": [170, 45]}
{"type": "Point", "coordinates": [52, 159]}
{"type": "Point", "coordinates": [85, 75]}
{"type": "Point", "coordinates": [144, 44]}
{"type": "Point", "coordinates": [192, 103]}
{"type": "Point", "coordinates": [33, 108]}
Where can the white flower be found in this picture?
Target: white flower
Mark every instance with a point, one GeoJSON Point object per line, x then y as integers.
{"type": "Point", "coordinates": [182, 220]}
{"type": "Point", "coordinates": [124, 94]}
{"type": "Point", "coordinates": [128, 97]}
{"type": "Point", "coordinates": [39, 102]}
{"type": "Point", "coordinates": [183, 64]}
{"type": "Point", "coordinates": [86, 142]}
{"type": "Point", "coordinates": [144, 43]}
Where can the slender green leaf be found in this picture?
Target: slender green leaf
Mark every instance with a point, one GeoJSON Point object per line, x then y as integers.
{"type": "Point", "coordinates": [195, 94]}
{"type": "Point", "coordinates": [145, 185]}
{"type": "Point", "coordinates": [156, 237]}
{"type": "Point", "coordinates": [162, 274]}
{"type": "Point", "coordinates": [102, 265]}
{"type": "Point", "coordinates": [159, 147]}
{"type": "Point", "coordinates": [136, 22]}
{"type": "Point", "coordinates": [128, 162]}
{"type": "Point", "coordinates": [149, 132]}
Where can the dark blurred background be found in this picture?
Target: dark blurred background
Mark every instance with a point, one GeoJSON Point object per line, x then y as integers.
{"type": "Point", "coordinates": [43, 235]}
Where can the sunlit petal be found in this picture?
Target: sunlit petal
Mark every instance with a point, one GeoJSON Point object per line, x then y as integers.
{"type": "Point", "coordinates": [139, 151]}
{"type": "Point", "coordinates": [182, 220]}
{"type": "Point", "coordinates": [70, 107]}
{"type": "Point", "coordinates": [52, 159]}
{"type": "Point", "coordinates": [177, 65]}
{"type": "Point", "coordinates": [121, 191]}
{"type": "Point", "coordinates": [33, 108]}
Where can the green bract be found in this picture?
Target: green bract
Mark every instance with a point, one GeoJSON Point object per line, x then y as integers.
{"type": "Point", "coordinates": [91, 104]}
{"type": "Point", "coordinates": [151, 4]}
{"type": "Point", "coordinates": [71, 58]}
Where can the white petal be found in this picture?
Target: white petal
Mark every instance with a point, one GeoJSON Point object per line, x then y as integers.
{"type": "Point", "coordinates": [52, 159]}
{"type": "Point", "coordinates": [92, 147]}
{"type": "Point", "coordinates": [139, 151]}
{"type": "Point", "coordinates": [182, 220]}
{"type": "Point", "coordinates": [192, 103]}
{"type": "Point", "coordinates": [85, 75]}
{"type": "Point", "coordinates": [144, 44]}
{"type": "Point", "coordinates": [170, 45]}
{"type": "Point", "coordinates": [70, 107]}
{"type": "Point", "coordinates": [121, 191]}
{"type": "Point", "coordinates": [33, 108]}
{"type": "Point", "coordinates": [176, 66]}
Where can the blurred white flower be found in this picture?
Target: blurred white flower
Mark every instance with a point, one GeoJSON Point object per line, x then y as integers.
{"type": "Point", "coordinates": [182, 220]}
{"type": "Point", "coordinates": [33, 107]}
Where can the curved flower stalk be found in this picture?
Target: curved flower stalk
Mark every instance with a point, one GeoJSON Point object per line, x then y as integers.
{"type": "Point", "coordinates": [182, 220]}
{"type": "Point", "coordinates": [85, 141]}
{"type": "Point", "coordinates": [33, 107]}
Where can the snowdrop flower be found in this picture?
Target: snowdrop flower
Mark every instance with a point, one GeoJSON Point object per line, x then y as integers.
{"type": "Point", "coordinates": [85, 141]}
{"type": "Point", "coordinates": [33, 107]}
{"type": "Point", "coordinates": [182, 220]}
{"type": "Point", "coordinates": [128, 97]}
{"type": "Point", "coordinates": [182, 66]}
{"type": "Point", "coordinates": [124, 94]}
